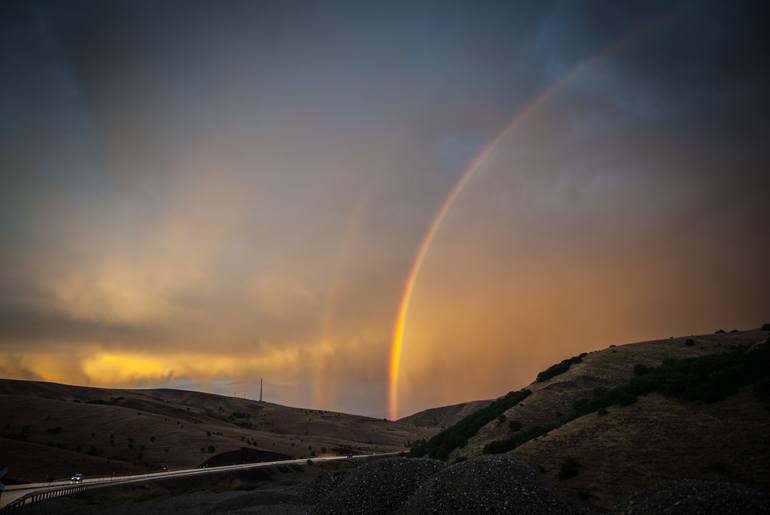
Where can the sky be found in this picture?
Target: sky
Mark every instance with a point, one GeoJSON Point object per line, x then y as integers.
{"type": "Point", "coordinates": [202, 194]}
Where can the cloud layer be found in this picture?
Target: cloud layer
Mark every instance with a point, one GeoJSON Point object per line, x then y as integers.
{"type": "Point", "coordinates": [199, 196]}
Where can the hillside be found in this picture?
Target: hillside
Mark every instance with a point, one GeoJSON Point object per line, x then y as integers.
{"type": "Point", "coordinates": [444, 416]}
{"type": "Point", "coordinates": [52, 430]}
{"type": "Point", "coordinates": [598, 430]}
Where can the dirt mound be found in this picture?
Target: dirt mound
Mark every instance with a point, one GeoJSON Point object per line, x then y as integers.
{"type": "Point", "coordinates": [491, 484]}
{"type": "Point", "coordinates": [378, 487]}
{"type": "Point", "coordinates": [703, 497]}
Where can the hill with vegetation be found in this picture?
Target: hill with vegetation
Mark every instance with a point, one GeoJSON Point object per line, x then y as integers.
{"type": "Point", "coordinates": [606, 425]}
{"type": "Point", "coordinates": [50, 431]}
{"type": "Point", "coordinates": [444, 416]}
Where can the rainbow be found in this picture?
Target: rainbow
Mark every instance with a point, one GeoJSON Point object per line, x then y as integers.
{"type": "Point", "coordinates": [397, 340]}
{"type": "Point", "coordinates": [328, 319]}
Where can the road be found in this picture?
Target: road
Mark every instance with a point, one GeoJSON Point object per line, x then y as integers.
{"type": "Point", "coordinates": [35, 492]}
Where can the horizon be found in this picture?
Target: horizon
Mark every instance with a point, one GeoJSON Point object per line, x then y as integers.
{"type": "Point", "coordinates": [235, 395]}
{"type": "Point", "coordinates": [381, 208]}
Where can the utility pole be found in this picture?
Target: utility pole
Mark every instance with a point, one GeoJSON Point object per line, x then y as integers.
{"type": "Point", "coordinates": [260, 389]}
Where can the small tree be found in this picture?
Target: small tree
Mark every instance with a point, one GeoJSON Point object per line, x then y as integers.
{"type": "Point", "coordinates": [570, 468]}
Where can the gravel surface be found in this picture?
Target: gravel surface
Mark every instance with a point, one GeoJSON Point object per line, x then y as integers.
{"type": "Point", "coordinates": [691, 497]}
{"type": "Point", "coordinates": [378, 487]}
{"type": "Point", "coordinates": [487, 484]}
{"type": "Point", "coordinates": [322, 486]}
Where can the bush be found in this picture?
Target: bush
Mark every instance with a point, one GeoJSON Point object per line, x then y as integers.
{"type": "Point", "coordinates": [570, 468]}
{"type": "Point", "coordinates": [720, 468]}
{"type": "Point", "coordinates": [559, 368]}
{"type": "Point", "coordinates": [502, 418]}
{"type": "Point", "coordinates": [762, 390]}
{"type": "Point", "coordinates": [708, 378]}
{"type": "Point", "coordinates": [689, 342]}
{"type": "Point", "coordinates": [766, 327]}
{"type": "Point", "coordinates": [211, 448]}
{"type": "Point", "coordinates": [457, 435]}
{"type": "Point", "coordinates": [509, 444]}
{"type": "Point", "coordinates": [515, 425]}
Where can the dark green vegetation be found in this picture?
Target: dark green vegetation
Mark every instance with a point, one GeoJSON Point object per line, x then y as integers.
{"type": "Point", "coordinates": [442, 444]}
{"type": "Point", "coordinates": [570, 468]}
{"type": "Point", "coordinates": [501, 446]}
{"type": "Point", "coordinates": [708, 378]}
{"type": "Point", "coordinates": [559, 368]}
{"type": "Point", "coordinates": [445, 416]}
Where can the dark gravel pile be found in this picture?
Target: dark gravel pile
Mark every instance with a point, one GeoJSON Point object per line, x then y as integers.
{"type": "Point", "coordinates": [487, 484]}
{"type": "Point", "coordinates": [378, 487]}
{"type": "Point", "coordinates": [321, 486]}
{"type": "Point", "coordinates": [691, 497]}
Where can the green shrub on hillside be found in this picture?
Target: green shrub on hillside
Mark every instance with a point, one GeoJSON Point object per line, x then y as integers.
{"type": "Point", "coordinates": [708, 378]}
{"type": "Point", "coordinates": [509, 444]}
{"type": "Point", "coordinates": [442, 444]}
{"type": "Point", "coordinates": [570, 468]}
{"type": "Point", "coordinates": [559, 368]}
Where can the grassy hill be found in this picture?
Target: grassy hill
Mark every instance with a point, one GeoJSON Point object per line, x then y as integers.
{"type": "Point", "coordinates": [444, 416]}
{"type": "Point", "coordinates": [604, 425]}
{"type": "Point", "coordinates": [52, 430]}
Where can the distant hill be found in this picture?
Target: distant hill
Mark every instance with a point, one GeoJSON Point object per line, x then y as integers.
{"type": "Point", "coordinates": [605, 425]}
{"type": "Point", "coordinates": [444, 416]}
{"type": "Point", "coordinates": [50, 430]}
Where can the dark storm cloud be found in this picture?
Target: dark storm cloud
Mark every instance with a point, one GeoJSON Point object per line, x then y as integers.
{"type": "Point", "coordinates": [19, 329]}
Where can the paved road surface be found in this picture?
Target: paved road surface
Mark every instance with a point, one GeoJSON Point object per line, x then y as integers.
{"type": "Point", "coordinates": [34, 492]}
